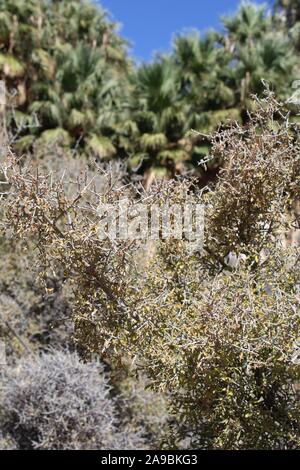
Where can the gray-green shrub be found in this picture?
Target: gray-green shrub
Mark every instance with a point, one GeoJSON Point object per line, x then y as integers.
{"type": "Point", "coordinates": [55, 401]}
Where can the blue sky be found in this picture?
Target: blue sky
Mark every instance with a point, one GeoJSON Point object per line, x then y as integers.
{"type": "Point", "coordinates": [150, 24]}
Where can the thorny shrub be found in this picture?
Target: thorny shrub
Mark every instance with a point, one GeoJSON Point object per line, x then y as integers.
{"type": "Point", "coordinates": [221, 337]}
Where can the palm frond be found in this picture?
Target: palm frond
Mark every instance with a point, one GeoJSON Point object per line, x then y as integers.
{"type": "Point", "coordinates": [45, 62]}
{"type": "Point", "coordinates": [76, 118]}
{"type": "Point", "coordinates": [24, 143]}
{"type": "Point", "coordinates": [176, 155]}
{"type": "Point", "coordinates": [101, 145]}
{"type": "Point", "coordinates": [153, 141]}
{"type": "Point", "coordinates": [11, 67]}
{"type": "Point", "coordinates": [53, 137]}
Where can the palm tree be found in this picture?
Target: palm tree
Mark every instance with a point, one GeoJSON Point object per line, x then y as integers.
{"type": "Point", "coordinates": [160, 116]}
{"type": "Point", "coordinates": [291, 10]}
{"type": "Point", "coordinates": [260, 52]}
{"type": "Point", "coordinates": [71, 70]}
{"type": "Point", "coordinates": [71, 64]}
{"type": "Point", "coordinates": [84, 100]}
{"type": "Point", "coordinates": [74, 21]}
{"type": "Point", "coordinates": [249, 24]}
{"type": "Point", "coordinates": [287, 16]}
{"type": "Point", "coordinates": [17, 34]}
{"type": "Point", "coordinates": [202, 66]}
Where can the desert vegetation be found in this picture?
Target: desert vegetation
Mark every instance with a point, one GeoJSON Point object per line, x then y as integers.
{"type": "Point", "coordinates": [118, 343]}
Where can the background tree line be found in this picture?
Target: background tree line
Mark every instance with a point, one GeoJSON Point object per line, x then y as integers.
{"type": "Point", "coordinates": [70, 68]}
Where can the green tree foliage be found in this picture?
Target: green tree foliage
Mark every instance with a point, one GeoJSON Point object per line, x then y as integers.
{"type": "Point", "coordinates": [159, 118]}
{"type": "Point", "coordinates": [291, 10]}
{"type": "Point", "coordinates": [75, 85]}
{"type": "Point", "coordinates": [67, 64]}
